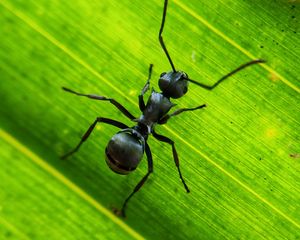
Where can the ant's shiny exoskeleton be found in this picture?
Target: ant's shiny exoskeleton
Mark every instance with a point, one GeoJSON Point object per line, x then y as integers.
{"type": "Point", "coordinates": [126, 148]}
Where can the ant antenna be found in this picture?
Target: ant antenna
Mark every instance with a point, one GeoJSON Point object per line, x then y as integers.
{"type": "Point", "coordinates": [160, 35]}
{"type": "Point", "coordinates": [227, 75]}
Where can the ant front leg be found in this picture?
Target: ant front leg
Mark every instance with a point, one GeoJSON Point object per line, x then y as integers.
{"type": "Point", "coordinates": [144, 90]}
{"type": "Point", "coordinates": [101, 98]}
{"type": "Point", "coordinates": [91, 128]}
{"type": "Point", "coordinates": [141, 183]}
{"type": "Point", "coordinates": [165, 118]}
{"type": "Point", "coordinates": [175, 155]}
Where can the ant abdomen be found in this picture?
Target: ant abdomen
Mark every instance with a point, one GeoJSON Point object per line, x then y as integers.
{"type": "Point", "coordinates": [124, 151]}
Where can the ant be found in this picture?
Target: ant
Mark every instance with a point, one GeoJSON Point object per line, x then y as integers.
{"type": "Point", "coordinates": [126, 148]}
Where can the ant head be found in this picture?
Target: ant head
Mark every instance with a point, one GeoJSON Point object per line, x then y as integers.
{"type": "Point", "coordinates": [173, 84]}
{"type": "Point", "coordinates": [124, 151]}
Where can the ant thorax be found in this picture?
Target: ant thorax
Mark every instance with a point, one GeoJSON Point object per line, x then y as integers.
{"type": "Point", "coordinates": [157, 106]}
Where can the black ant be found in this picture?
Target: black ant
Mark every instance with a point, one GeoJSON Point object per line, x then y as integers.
{"type": "Point", "coordinates": [126, 148]}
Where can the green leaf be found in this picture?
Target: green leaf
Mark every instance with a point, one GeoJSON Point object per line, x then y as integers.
{"type": "Point", "coordinates": [239, 156]}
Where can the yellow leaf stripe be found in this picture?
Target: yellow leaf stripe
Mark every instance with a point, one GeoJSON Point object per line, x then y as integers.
{"type": "Point", "coordinates": [56, 174]}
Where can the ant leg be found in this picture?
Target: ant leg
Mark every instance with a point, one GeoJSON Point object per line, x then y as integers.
{"type": "Point", "coordinates": [165, 118]}
{"type": "Point", "coordinates": [144, 90]}
{"type": "Point", "coordinates": [91, 128]}
{"type": "Point", "coordinates": [141, 183]}
{"type": "Point", "coordinates": [95, 97]}
{"type": "Point", "coordinates": [175, 155]}
{"type": "Point", "coordinates": [161, 38]}
{"type": "Point", "coordinates": [227, 75]}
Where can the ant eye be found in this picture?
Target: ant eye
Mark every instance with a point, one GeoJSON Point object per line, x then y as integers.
{"type": "Point", "coordinates": [164, 73]}
{"type": "Point", "coordinates": [185, 90]}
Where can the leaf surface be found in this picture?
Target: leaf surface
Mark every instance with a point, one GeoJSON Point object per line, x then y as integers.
{"type": "Point", "coordinates": [235, 155]}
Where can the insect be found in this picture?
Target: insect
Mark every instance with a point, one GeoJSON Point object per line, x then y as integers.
{"type": "Point", "coordinates": [126, 148]}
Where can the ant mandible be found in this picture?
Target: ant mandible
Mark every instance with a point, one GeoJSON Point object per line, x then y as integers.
{"type": "Point", "coordinates": [126, 148]}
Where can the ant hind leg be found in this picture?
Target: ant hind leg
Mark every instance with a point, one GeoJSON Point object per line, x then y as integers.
{"type": "Point", "coordinates": [175, 155]}
{"type": "Point", "coordinates": [140, 184]}
{"type": "Point", "coordinates": [89, 131]}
